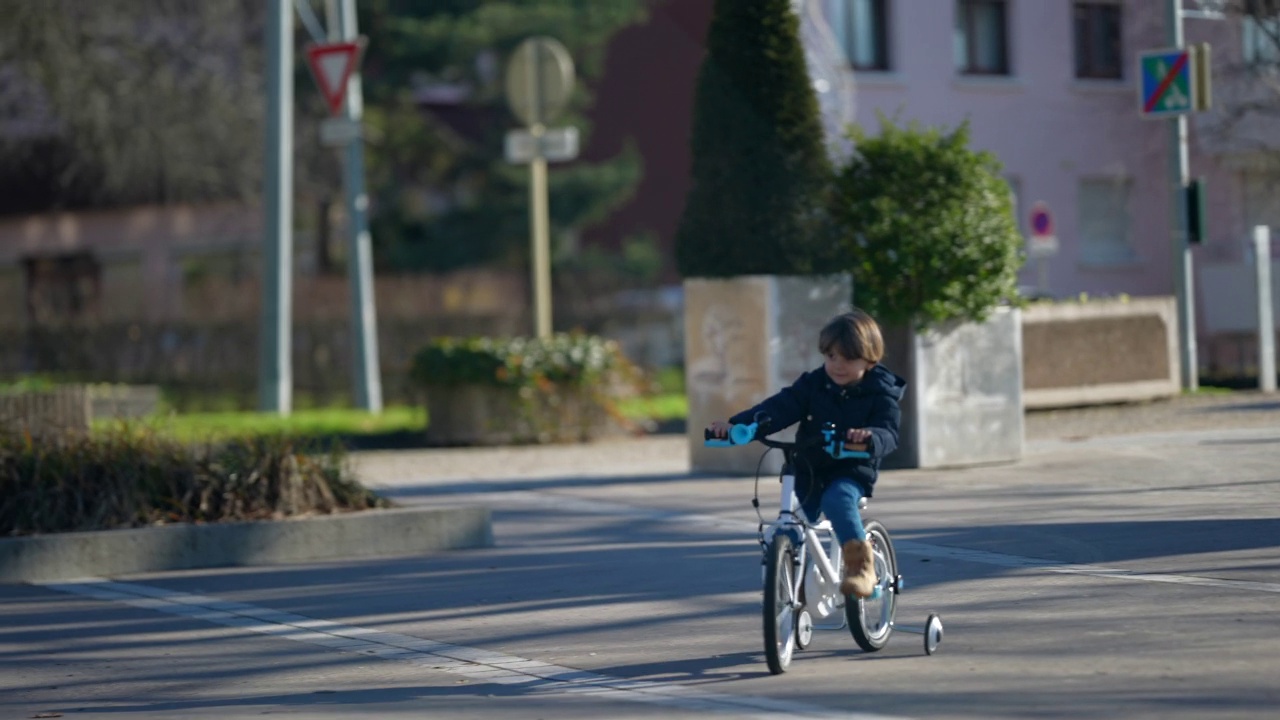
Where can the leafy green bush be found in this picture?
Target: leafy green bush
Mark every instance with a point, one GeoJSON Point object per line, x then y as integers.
{"type": "Point", "coordinates": [927, 225]}
{"type": "Point", "coordinates": [562, 389]}
{"type": "Point", "coordinates": [571, 359]}
{"type": "Point", "coordinates": [131, 478]}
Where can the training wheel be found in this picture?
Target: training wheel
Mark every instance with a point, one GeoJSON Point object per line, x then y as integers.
{"type": "Point", "coordinates": [932, 633]}
{"type": "Point", "coordinates": [804, 629]}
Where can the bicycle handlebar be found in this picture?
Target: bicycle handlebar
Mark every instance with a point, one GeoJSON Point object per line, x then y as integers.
{"type": "Point", "coordinates": [830, 442]}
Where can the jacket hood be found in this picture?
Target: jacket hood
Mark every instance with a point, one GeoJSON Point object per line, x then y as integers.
{"type": "Point", "coordinates": [877, 381]}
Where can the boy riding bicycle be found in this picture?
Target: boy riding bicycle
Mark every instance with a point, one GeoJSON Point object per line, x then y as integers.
{"type": "Point", "coordinates": [851, 390]}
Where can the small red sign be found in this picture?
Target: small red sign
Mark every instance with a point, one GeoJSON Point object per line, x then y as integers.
{"type": "Point", "coordinates": [332, 65]}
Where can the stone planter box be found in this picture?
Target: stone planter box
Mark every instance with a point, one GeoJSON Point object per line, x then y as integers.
{"type": "Point", "coordinates": [745, 339]}
{"type": "Point", "coordinates": [1100, 352]}
{"type": "Point", "coordinates": [489, 415]}
{"type": "Point", "coordinates": [963, 404]}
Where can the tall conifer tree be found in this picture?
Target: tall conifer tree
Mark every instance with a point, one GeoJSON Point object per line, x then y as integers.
{"type": "Point", "coordinates": [759, 162]}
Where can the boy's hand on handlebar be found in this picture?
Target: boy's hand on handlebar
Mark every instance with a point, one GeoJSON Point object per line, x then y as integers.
{"type": "Point", "coordinates": [856, 439]}
{"type": "Point", "coordinates": [719, 429]}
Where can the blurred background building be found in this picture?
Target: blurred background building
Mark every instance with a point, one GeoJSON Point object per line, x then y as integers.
{"type": "Point", "coordinates": [165, 245]}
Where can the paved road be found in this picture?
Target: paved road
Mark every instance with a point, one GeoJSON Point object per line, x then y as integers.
{"type": "Point", "coordinates": [1120, 575]}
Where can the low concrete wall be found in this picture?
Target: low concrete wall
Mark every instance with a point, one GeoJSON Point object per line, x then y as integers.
{"type": "Point", "coordinates": [66, 409]}
{"type": "Point", "coordinates": [1100, 352]}
{"type": "Point", "coordinates": [369, 533]}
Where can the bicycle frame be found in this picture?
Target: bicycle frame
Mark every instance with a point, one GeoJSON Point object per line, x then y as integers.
{"type": "Point", "coordinates": [817, 573]}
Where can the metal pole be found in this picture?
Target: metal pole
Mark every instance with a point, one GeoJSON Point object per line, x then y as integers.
{"type": "Point", "coordinates": [1179, 175]}
{"type": "Point", "coordinates": [541, 238]}
{"type": "Point", "coordinates": [275, 371]}
{"type": "Point", "coordinates": [364, 316]}
{"type": "Point", "coordinates": [1266, 321]}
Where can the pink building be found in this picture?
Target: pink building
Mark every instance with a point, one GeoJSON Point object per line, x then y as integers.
{"type": "Point", "coordinates": [1050, 87]}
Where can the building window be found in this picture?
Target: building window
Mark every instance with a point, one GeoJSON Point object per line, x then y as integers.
{"type": "Point", "coordinates": [1097, 27]}
{"type": "Point", "coordinates": [1103, 214]}
{"type": "Point", "coordinates": [1262, 38]}
{"type": "Point", "coordinates": [864, 33]}
{"type": "Point", "coordinates": [982, 37]}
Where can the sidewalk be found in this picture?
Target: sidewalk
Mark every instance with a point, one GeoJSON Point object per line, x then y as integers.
{"type": "Point", "coordinates": [668, 453]}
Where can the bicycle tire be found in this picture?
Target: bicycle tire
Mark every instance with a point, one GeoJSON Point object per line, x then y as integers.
{"type": "Point", "coordinates": [779, 604]}
{"type": "Point", "coordinates": [871, 619]}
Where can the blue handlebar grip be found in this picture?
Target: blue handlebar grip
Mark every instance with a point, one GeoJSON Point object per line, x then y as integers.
{"type": "Point", "coordinates": [738, 435]}
{"type": "Point", "coordinates": [742, 434]}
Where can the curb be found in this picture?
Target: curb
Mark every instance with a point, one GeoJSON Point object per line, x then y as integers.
{"type": "Point", "coordinates": [364, 534]}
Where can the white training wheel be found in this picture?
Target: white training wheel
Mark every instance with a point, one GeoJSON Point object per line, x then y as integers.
{"type": "Point", "coordinates": [932, 633]}
{"type": "Point", "coordinates": [804, 630]}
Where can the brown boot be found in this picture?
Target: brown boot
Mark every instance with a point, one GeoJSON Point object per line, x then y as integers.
{"type": "Point", "coordinates": [859, 569]}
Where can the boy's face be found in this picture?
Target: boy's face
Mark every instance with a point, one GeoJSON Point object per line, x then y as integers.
{"type": "Point", "coordinates": [844, 371]}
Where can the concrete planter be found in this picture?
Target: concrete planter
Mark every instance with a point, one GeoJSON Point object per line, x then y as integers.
{"type": "Point", "coordinates": [489, 415]}
{"type": "Point", "coordinates": [745, 339]}
{"type": "Point", "coordinates": [964, 392]}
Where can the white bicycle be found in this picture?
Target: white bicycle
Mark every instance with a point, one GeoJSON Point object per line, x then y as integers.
{"type": "Point", "coordinates": [802, 577]}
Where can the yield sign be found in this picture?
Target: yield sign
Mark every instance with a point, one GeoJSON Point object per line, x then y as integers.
{"type": "Point", "coordinates": [332, 65]}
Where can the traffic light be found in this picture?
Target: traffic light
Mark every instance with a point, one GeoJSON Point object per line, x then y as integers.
{"type": "Point", "coordinates": [1197, 225]}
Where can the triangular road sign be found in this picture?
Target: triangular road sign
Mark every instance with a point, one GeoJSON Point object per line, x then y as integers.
{"type": "Point", "coordinates": [332, 65]}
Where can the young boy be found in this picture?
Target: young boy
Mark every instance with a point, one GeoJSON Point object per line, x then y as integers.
{"type": "Point", "coordinates": [853, 391]}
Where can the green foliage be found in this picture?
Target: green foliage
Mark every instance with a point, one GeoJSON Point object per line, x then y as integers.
{"type": "Point", "coordinates": [446, 197]}
{"type": "Point", "coordinates": [927, 226]}
{"type": "Point", "coordinates": [133, 478]}
{"type": "Point", "coordinates": [563, 359]}
{"type": "Point", "coordinates": [125, 101]}
{"type": "Point", "coordinates": [759, 164]}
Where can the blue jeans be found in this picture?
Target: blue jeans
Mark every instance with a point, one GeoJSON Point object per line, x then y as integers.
{"type": "Point", "coordinates": [839, 502]}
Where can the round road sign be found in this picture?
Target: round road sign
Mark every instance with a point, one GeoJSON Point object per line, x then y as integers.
{"type": "Point", "coordinates": [539, 80]}
{"type": "Point", "coordinates": [1041, 220]}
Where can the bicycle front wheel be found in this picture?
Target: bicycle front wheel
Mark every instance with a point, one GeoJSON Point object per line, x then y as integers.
{"type": "Point", "coordinates": [780, 604]}
{"type": "Point", "coordinates": [871, 619]}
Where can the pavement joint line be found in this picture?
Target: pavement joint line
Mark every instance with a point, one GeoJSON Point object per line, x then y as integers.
{"type": "Point", "coordinates": [911, 547]}
{"type": "Point", "coordinates": [472, 663]}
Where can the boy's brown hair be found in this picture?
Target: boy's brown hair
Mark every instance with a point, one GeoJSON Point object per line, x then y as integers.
{"type": "Point", "coordinates": [855, 335]}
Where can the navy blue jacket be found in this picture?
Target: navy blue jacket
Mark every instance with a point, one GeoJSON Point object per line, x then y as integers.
{"type": "Point", "coordinates": [814, 400]}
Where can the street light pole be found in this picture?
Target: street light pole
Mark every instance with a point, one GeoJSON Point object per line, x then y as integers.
{"type": "Point", "coordinates": [275, 370]}
{"type": "Point", "coordinates": [1179, 176]}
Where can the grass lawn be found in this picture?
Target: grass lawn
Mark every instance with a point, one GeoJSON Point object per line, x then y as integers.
{"type": "Point", "coordinates": [320, 422]}
{"type": "Point", "coordinates": [398, 426]}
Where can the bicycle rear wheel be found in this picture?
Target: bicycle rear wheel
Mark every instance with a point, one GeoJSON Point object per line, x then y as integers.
{"type": "Point", "coordinates": [871, 619]}
{"type": "Point", "coordinates": [780, 604]}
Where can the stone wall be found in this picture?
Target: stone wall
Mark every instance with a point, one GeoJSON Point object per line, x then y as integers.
{"type": "Point", "coordinates": [1100, 352]}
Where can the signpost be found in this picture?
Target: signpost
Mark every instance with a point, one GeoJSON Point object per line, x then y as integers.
{"type": "Point", "coordinates": [1172, 83]}
{"type": "Point", "coordinates": [539, 82]}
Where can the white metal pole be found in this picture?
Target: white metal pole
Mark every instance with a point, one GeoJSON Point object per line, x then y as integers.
{"type": "Point", "coordinates": [1179, 175]}
{"type": "Point", "coordinates": [1266, 321]}
{"type": "Point", "coordinates": [275, 370]}
{"type": "Point", "coordinates": [364, 317]}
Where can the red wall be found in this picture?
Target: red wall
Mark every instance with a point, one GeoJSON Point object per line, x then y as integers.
{"type": "Point", "coordinates": [646, 93]}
